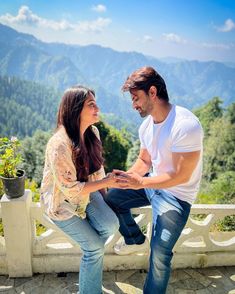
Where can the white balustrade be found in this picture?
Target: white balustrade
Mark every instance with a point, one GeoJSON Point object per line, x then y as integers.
{"type": "Point", "coordinates": [198, 246]}
{"type": "Point", "coordinates": [3, 263]}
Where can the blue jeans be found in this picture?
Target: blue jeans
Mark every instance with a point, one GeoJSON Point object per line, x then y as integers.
{"type": "Point", "coordinates": [169, 218]}
{"type": "Point", "coordinates": [91, 233]}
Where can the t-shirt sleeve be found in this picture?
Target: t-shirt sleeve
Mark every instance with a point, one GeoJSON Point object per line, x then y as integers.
{"type": "Point", "coordinates": [142, 131]}
{"type": "Point", "coordinates": [187, 136]}
{"type": "Point", "coordinates": [141, 137]}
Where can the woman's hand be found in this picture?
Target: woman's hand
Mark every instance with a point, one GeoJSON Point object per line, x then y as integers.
{"type": "Point", "coordinates": [113, 180]}
{"type": "Point", "coordinates": [128, 180]}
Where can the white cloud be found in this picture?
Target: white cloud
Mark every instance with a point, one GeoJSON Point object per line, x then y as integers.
{"type": "Point", "coordinates": [216, 46]}
{"type": "Point", "coordinates": [228, 26]}
{"type": "Point", "coordinates": [171, 37]}
{"type": "Point", "coordinates": [99, 8]}
{"type": "Point", "coordinates": [26, 17]}
{"type": "Point", "coordinates": [144, 39]}
{"type": "Point", "coordinates": [94, 26]}
{"type": "Point", "coordinates": [148, 38]}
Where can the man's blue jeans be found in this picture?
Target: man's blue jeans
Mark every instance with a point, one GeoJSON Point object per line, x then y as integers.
{"type": "Point", "coordinates": [91, 234]}
{"type": "Point", "coordinates": [169, 218]}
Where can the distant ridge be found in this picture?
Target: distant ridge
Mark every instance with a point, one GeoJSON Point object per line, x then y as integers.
{"type": "Point", "coordinates": [190, 83]}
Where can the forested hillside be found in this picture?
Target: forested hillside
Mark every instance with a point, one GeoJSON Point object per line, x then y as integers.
{"type": "Point", "coordinates": [25, 107]}
{"type": "Point", "coordinates": [218, 185]}
{"type": "Point", "coordinates": [190, 83]}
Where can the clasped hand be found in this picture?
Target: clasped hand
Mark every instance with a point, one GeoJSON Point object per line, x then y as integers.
{"type": "Point", "coordinates": [125, 180]}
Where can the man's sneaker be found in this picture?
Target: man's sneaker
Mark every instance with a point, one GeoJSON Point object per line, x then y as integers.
{"type": "Point", "coordinates": [122, 248]}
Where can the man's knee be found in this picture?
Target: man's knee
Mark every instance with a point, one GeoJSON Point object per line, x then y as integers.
{"type": "Point", "coordinates": [161, 257]}
{"type": "Point", "coordinates": [112, 197]}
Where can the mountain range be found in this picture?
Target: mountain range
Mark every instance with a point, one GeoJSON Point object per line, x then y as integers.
{"type": "Point", "coordinates": [189, 83]}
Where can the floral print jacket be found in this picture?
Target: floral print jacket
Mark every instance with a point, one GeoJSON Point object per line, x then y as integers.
{"type": "Point", "coordinates": [61, 192]}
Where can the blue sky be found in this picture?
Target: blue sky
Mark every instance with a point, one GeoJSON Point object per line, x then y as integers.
{"type": "Point", "coordinates": [193, 29]}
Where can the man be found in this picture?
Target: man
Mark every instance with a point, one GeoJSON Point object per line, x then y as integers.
{"type": "Point", "coordinates": [171, 144]}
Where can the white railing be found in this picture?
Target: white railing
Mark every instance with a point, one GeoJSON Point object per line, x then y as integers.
{"type": "Point", "coordinates": [25, 253]}
{"type": "Point", "coordinates": [3, 263]}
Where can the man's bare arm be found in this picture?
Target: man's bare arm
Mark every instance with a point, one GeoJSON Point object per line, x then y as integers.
{"type": "Point", "coordinates": [184, 165]}
{"type": "Point", "coordinates": [142, 164]}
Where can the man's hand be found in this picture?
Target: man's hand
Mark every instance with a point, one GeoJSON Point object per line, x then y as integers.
{"type": "Point", "coordinates": [115, 180]}
{"type": "Point", "coordinates": [128, 180]}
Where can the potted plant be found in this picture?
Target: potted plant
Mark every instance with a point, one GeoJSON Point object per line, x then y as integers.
{"type": "Point", "coordinates": [13, 178]}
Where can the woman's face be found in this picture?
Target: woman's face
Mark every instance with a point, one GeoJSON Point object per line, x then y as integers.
{"type": "Point", "coordinates": [90, 112]}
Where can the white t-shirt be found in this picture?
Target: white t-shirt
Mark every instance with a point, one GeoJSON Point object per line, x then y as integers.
{"type": "Point", "coordinates": [181, 131]}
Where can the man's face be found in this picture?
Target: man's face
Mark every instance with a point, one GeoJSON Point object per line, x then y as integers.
{"type": "Point", "coordinates": [141, 102]}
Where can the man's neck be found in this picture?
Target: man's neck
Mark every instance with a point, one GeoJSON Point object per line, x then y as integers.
{"type": "Point", "coordinates": [161, 111]}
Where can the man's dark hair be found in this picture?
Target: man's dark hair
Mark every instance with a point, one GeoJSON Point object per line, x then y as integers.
{"type": "Point", "coordinates": [143, 79]}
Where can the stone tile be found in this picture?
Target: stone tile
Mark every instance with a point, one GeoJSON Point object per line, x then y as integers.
{"type": "Point", "coordinates": [109, 277]}
{"type": "Point", "coordinates": [20, 281]}
{"type": "Point", "coordinates": [122, 276]}
{"type": "Point", "coordinates": [137, 280]}
{"type": "Point", "coordinates": [170, 289]}
{"type": "Point", "coordinates": [203, 291]}
{"type": "Point", "coordinates": [42, 290]}
{"type": "Point", "coordinates": [128, 289]}
{"type": "Point", "coordinates": [69, 283]}
{"type": "Point", "coordinates": [52, 281]}
{"type": "Point", "coordinates": [215, 289]}
{"type": "Point", "coordinates": [6, 284]}
{"type": "Point", "coordinates": [218, 277]}
{"type": "Point", "coordinates": [188, 284]}
{"type": "Point", "coordinates": [229, 272]}
{"type": "Point", "coordinates": [111, 288]}
{"type": "Point", "coordinates": [185, 281]}
{"type": "Point", "coordinates": [210, 272]}
{"type": "Point", "coordinates": [66, 291]}
{"type": "Point", "coordinates": [11, 291]}
{"type": "Point", "coordinates": [71, 287]}
{"type": "Point", "coordinates": [183, 291]}
{"type": "Point", "coordinates": [71, 278]}
{"type": "Point", "coordinates": [31, 284]}
{"type": "Point", "coordinates": [198, 277]}
{"type": "Point", "coordinates": [177, 275]}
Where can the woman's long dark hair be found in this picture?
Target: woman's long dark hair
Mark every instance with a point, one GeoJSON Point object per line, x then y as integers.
{"type": "Point", "coordinates": [87, 154]}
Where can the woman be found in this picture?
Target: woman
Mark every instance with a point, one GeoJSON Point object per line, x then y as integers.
{"type": "Point", "coordinates": [74, 182]}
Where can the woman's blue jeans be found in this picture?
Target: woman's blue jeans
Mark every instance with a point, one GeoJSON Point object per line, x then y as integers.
{"type": "Point", "coordinates": [169, 218]}
{"type": "Point", "coordinates": [91, 233]}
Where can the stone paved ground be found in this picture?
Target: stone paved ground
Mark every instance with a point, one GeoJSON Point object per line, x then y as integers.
{"type": "Point", "coordinates": [216, 280]}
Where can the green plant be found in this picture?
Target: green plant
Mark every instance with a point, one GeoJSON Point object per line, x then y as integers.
{"type": "Point", "coordinates": [10, 157]}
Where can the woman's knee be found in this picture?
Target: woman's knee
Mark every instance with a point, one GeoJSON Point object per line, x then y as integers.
{"type": "Point", "coordinates": [112, 226]}
{"type": "Point", "coordinates": [93, 248]}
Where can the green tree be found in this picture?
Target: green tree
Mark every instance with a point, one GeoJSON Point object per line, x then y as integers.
{"type": "Point", "coordinates": [230, 113]}
{"type": "Point", "coordinates": [33, 152]}
{"type": "Point", "coordinates": [25, 107]}
{"type": "Point", "coordinates": [223, 188]}
{"type": "Point", "coordinates": [219, 153]}
{"type": "Point", "coordinates": [133, 153]}
{"type": "Point", "coordinates": [115, 147]}
{"type": "Point", "coordinates": [209, 112]}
